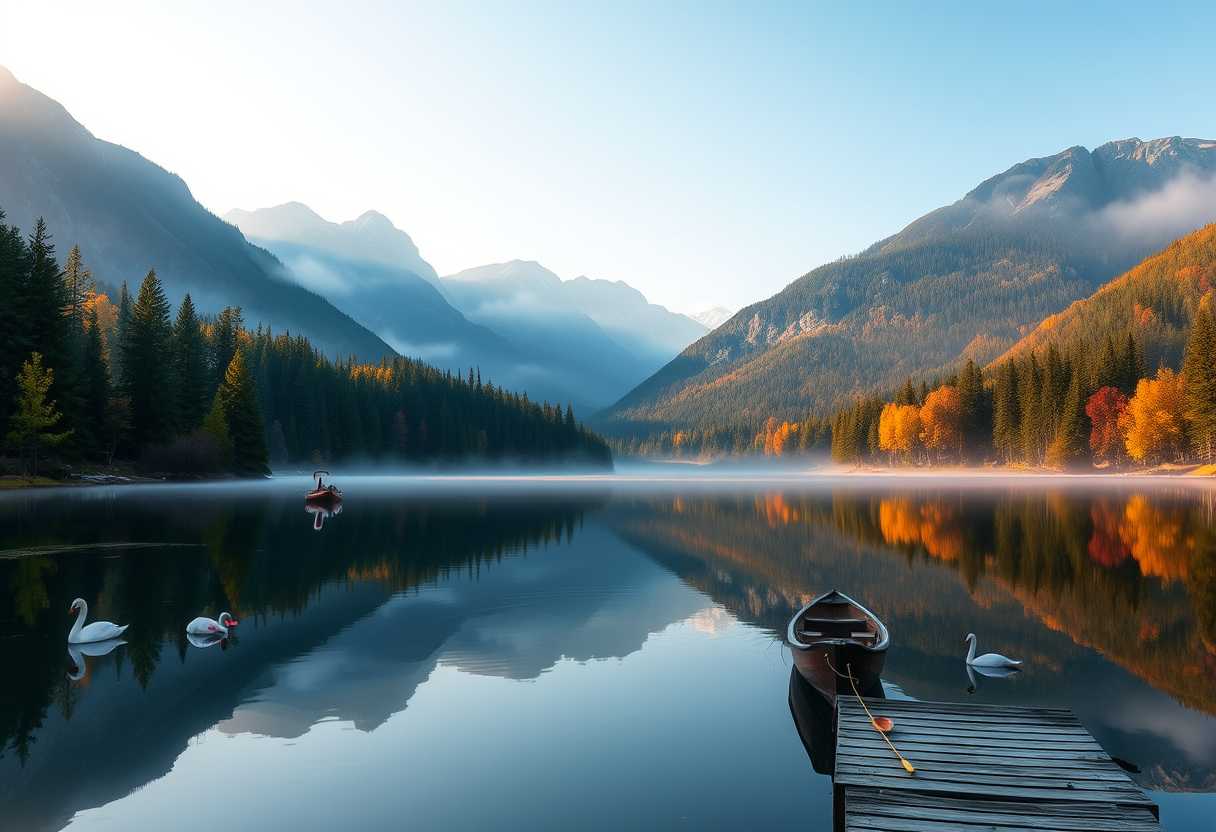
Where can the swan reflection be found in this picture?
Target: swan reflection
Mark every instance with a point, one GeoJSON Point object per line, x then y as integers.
{"type": "Point", "coordinates": [92, 649]}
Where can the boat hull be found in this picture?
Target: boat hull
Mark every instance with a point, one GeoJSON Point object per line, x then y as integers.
{"type": "Point", "coordinates": [826, 665]}
{"type": "Point", "coordinates": [323, 497]}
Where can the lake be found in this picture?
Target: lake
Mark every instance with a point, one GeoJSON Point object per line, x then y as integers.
{"type": "Point", "coordinates": [584, 652]}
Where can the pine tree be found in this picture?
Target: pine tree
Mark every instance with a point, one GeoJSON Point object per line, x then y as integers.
{"type": "Point", "coordinates": [1006, 419]}
{"type": "Point", "coordinates": [147, 378]}
{"type": "Point", "coordinates": [15, 342]}
{"type": "Point", "coordinates": [35, 416]}
{"type": "Point", "coordinates": [1071, 440]}
{"type": "Point", "coordinates": [190, 368]}
{"type": "Point", "coordinates": [1131, 366]}
{"type": "Point", "coordinates": [122, 332]}
{"type": "Point", "coordinates": [77, 284]}
{"type": "Point", "coordinates": [975, 405]}
{"type": "Point", "coordinates": [1053, 385]}
{"type": "Point", "coordinates": [215, 425]}
{"type": "Point", "coordinates": [50, 332]}
{"type": "Point", "coordinates": [1106, 373]}
{"type": "Point", "coordinates": [224, 340]}
{"type": "Point", "coordinates": [244, 420]}
{"type": "Point", "coordinates": [907, 393]}
{"type": "Point", "coordinates": [1199, 370]}
{"type": "Point", "coordinates": [1029, 384]}
{"type": "Point", "coordinates": [96, 390]}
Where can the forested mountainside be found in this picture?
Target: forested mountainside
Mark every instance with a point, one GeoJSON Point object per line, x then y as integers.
{"type": "Point", "coordinates": [1156, 301]}
{"type": "Point", "coordinates": [1127, 375]}
{"type": "Point", "coordinates": [130, 215]}
{"type": "Point", "coordinates": [85, 380]}
{"type": "Point", "coordinates": [965, 281]}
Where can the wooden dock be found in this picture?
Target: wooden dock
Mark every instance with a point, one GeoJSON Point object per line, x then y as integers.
{"type": "Point", "coordinates": [988, 767]}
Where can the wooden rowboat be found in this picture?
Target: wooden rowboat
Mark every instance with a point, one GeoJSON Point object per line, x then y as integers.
{"type": "Point", "coordinates": [831, 636]}
{"type": "Point", "coordinates": [323, 495]}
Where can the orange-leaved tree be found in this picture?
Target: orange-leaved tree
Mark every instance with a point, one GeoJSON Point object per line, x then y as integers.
{"type": "Point", "coordinates": [941, 421]}
{"type": "Point", "coordinates": [1154, 423]}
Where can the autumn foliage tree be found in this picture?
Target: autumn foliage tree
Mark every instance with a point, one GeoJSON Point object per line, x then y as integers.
{"type": "Point", "coordinates": [1105, 409]}
{"type": "Point", "coordinates": [32, 425]}
{"type": "Point", "coordinates": [1154, 423]}
{"type": "Point", "coordinates": [899, 429]}
{"type": "Point", "coordinates": [941, 428]}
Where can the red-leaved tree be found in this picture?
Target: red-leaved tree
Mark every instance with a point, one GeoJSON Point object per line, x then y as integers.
{"type": "Point", "coordinates": [1104, 409]}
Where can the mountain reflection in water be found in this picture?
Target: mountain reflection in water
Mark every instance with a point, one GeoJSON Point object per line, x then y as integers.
{"type": "Point", "coordinates": [417, 591]}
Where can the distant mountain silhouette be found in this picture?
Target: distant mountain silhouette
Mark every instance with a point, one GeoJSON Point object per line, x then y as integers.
{"type": "Point", "coordinates": [713, 317]}
{"type": "Point", "coordinates": [964, 281]}
{"type": "Point", "coordinates": [129, 215]}
{"type": "Point", "coordinates": [592, 329]}
{"type": "Point", "coordinates": [373, 272]}
{"type": "Point", "coordinates": [582, 341]}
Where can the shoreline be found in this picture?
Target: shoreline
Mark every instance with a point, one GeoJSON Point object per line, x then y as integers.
{"type": "Point", "coordinates": [744, 465]}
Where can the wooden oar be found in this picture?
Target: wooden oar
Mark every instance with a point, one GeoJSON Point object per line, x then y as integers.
{"type": "Point", "coordinates": [908, 767]}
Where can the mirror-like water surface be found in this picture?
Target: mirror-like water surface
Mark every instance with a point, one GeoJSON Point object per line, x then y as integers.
{"type": "Point", "coordinates": [561, 653]}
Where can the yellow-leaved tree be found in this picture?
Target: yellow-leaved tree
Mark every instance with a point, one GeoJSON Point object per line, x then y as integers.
{"type": "Point", "coordinates": [899, 429]}
{"type": "Point", "coordinates": [941, 422]}
{"type": "Point", "coordinates": [1154, 428]}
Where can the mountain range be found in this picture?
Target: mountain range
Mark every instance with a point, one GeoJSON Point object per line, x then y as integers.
{"type": "Point", "coordinates": [582, 340]}
{"type": "Point", "coordinates": [965, 281]}
{"type": "Point", "coordinates": [359, 288]}
{"type": "Point", "coordinates": [969, 280]}
{"type": "Point", "coordinates": [129, 215]}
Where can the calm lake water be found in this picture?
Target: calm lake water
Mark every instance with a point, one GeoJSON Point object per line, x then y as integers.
{"type": "Point", "coordinates": [569, 653]}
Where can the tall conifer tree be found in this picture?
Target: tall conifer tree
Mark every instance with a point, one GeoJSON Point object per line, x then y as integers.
{"type": "Point", "coordinates": [190, 368]}
{"type": "Point", "coordinates": [122, 330]}
{"type": "Point", "coordinates": [147, 376]}
{"type": "Point", "coordinates": [1030, 382]}
{"type": "Point", "coordinates": [96, 390]}
{"type": "Point", "coordinates": [1006, 424]}
{"type": "Point", "coordinates": [1199, 370]}
{"type": "Point", "coordinates": [15, 343]}
{"type": "Point", "coordinates": [1070, 443]}
{"type": "Point", "coordinates": [239, 400]}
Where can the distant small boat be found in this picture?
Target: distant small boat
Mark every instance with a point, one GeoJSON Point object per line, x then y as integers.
{"type": "Point", "coordinates": [323, 495]}
{"type": "Point", "coordinates": [834, 635]}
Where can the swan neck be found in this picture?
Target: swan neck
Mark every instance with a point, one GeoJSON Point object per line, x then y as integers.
{"type": "Point", "coordinates": [80, 616]}
{"type": "Point", "coordinates": [970, 650]}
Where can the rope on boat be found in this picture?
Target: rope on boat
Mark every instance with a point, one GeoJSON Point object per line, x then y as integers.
{"type": "Point", "coordinates": [908, 767]}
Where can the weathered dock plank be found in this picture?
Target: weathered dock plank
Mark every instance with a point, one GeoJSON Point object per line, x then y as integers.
{"type": "Point", "coordinates": [883, 810]}
{"type": "Point", "coordinates": [980, 767]}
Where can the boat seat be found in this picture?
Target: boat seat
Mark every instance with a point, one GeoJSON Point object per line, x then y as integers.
{"type": "Point", "coordinates": [852, 622]}
{"type": "Point", "coordinates": [866, 635]}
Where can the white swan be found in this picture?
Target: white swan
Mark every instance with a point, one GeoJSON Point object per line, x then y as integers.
{"type": "Point", "coordinates": [77, 652]}
{"type": "Point", "coordinates": [988, 660]}
{"type": "Point", "coordinates": [97, 631]}
{"type": "Point", "coordinates": [202, 626]}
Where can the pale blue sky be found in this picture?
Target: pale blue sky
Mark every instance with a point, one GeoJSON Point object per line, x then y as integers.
{"type": "Point", "coordinates": [704, 152]}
